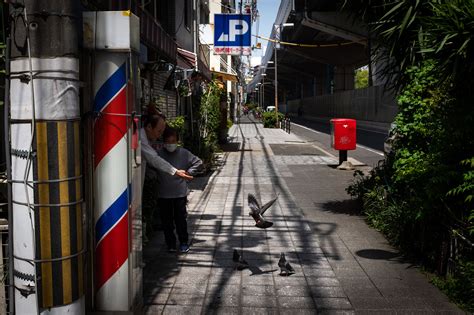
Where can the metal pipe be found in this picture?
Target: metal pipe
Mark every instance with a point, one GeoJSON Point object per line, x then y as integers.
{"type": "Point", "coordinates": [11, 289]}
{"type": "Point", "coordinates": [276, 82]}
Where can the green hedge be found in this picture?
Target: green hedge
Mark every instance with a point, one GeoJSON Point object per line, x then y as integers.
{"type": "Point", "coordinates": [269, 119]}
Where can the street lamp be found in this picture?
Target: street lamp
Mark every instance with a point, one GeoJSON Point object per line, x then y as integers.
{"type": "Point", "coordinates": [278, 28]}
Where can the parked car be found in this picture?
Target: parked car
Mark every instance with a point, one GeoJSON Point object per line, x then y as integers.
{"type": "Point", "coordinates": [391, 138]}
{"type": "Point", "coordinates": [270, 109]}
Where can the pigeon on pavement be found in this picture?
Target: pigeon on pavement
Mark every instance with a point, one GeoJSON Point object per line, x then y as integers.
{"type": "Point", "coordinates": [285, 267]}
{"type": "Point", "coordinates": [256, 212]}
{"type": "Point", "coordinates": [240, 263]}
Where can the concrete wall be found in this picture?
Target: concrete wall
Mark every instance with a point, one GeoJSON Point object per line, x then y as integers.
{"type": "Point", "coordinates": [370, 104]}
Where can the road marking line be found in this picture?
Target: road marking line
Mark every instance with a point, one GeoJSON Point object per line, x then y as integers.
{"type": "Point", "coordinates": [304, 127]}
{"type": "Point", "coordinates": [371, 150]}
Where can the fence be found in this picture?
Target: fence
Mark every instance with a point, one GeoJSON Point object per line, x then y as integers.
{"type": "Point", "coordinates": [371, 104]}
{"type": "Point", "coordinates": [285, 124]}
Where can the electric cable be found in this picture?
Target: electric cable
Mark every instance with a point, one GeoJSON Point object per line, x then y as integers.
{"type": "Point", "coordinates": [30, 149]}
{"type": "Point", "coordinates": [310, 45]}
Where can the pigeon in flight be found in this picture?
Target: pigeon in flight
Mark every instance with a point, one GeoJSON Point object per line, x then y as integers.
{"type": "Point", "coordinates": [240, 263]}
{"type": "Point", "coordinates": [285, 267]}
{"type": "Point", "coordinates": [256, 212]}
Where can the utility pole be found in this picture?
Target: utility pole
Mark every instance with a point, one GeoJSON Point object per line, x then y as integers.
{"type": "Point", "coordinates": [276, 80]}
{"type": "Point", "coordinates": [45, 169]}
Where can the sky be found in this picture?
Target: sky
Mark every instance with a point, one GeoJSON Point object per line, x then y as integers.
{"type": "Point", "coordinates": [268, 10]}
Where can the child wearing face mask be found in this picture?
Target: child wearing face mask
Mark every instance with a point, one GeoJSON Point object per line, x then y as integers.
{"type": "Point", "coordinates": [173, 191]}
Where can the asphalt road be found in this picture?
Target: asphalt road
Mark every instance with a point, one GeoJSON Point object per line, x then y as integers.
{"type": "Point", "coordinates": [369, 143]}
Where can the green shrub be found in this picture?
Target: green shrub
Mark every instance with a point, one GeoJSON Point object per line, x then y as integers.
{"type": "Point", "coordinates": [460, 287]}
{"type": "Point", "coordinates": [252, 106]}
{"type": "Point", "coordinates": [177, 123]}
{"type": "Point", "coordinates": [269, 119]}
{"type": "Point", "coordinates": [203, 138]}
{"type": "Point", "coordinates": [427, 189]}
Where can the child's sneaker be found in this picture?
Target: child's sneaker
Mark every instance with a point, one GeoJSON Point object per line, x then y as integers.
{"type": "Point", "coordinates": [184, 248]}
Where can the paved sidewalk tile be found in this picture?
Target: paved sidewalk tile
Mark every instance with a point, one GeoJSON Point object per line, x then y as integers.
{"type": "Point", "coordinates": [330, 278]}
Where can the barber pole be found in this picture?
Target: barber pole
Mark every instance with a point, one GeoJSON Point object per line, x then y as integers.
{"type": "Point", "coordinates": [111, 182]}
{"type": "Point", "coordinates": [113, 37]}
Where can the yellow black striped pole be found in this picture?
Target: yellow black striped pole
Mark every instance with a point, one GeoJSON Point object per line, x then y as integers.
{"type": "Point", "coordinates": [59, 213]}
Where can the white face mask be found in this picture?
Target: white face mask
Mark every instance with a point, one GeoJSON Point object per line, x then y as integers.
{"type": "Point", "coordinates": [170, 147]}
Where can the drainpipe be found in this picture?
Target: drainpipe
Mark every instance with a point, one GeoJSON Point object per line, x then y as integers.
{"type": "Point", "coordinates": [196, 31]}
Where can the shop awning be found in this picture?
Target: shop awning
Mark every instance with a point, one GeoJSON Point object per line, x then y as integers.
{"type": "Point", "coordinates": [224, 76]}
{"type": "Point", "coordinates": [186, 59]}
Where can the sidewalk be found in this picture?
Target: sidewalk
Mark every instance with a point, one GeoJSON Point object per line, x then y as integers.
{"type": "Point", "coordinates": [342, 266]}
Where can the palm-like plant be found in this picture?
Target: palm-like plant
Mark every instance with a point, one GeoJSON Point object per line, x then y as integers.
{"type": "Point", "coordinates": [407, 32]}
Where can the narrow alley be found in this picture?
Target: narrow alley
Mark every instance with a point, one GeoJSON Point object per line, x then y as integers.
{"type": "Point", "coordinates": [341, 265]}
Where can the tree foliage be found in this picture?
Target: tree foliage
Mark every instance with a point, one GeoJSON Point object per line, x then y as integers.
{"type": "Point", "coordinates": [203, 139]}
{"type": "Point", "coordinates": [406, 32]}
{"type": "Point", "coordinates": [361, 78]}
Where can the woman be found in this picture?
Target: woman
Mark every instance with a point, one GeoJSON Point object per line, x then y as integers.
{"type": "Point", "coordinates": [154, 124]}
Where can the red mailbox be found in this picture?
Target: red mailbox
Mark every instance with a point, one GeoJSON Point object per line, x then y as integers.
{"type": "Point", "coordinates": [343, 134]}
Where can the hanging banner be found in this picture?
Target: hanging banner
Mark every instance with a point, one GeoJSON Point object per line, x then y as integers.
{"type": "Point", "coordinates": [232, 34]}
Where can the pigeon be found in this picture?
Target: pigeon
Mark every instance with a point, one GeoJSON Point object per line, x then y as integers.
{"type": "Point", "coordinates": [240, 263]}
{"type": "Point", "coordinates": [257, 212]}
{"type": "Point", "coordinates": [285, 267]}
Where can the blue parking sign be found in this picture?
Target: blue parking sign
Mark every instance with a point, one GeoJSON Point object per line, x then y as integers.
{"type": "Point", "coordinates": [232, 34]}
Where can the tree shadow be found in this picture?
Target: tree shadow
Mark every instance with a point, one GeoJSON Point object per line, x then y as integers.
{"type": "Point", "coordinates": [348, 206]}
{"type": "Point", "coordinates": [378, 254]}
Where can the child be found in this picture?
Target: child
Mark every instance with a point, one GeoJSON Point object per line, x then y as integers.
{"type": "Point", "coordinates": [173, 191]}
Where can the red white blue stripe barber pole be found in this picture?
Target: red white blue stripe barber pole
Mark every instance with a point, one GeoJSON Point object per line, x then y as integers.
{"type": "Point", "coordinates": [111, 182]}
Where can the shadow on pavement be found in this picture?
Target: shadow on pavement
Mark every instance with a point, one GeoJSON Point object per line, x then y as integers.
{"type": "Point", "coordinates": [207, 272]}
{"type": "Point", "coordinates": [378, 254]}
{"type": "Point", "coordinates": [348, 206]}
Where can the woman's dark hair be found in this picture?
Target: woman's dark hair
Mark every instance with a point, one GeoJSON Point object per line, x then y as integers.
{"type": "Point", "coordinates": [152, 116]}
{"type": "Point", "coordinates": [170, 132]}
